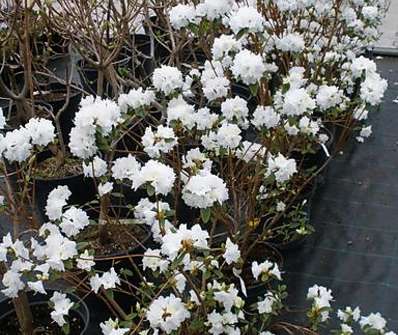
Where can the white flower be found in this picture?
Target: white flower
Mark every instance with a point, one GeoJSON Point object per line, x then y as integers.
{"type": "Point", "coordinates": [56, 200]}
{"type": "Point", "coordinates": [329, 97]}
{"type": "Point", "coordinates": [135, 99]}
{"type": "Point", "coordinates": [102, 113]}
{"type": "Point", "coordinates": [56, 250]}
{"type": "Point", "coordinates": [161, 177]}
{"type": "Point", "coordinates": [223, 48]}
{"type": "Point", "coordinates": [373, 88]}
{"type": "Point", "coordinates": [265, 116]}
{"type": "Point", "coordinates": [182, 15]}
{"type": "Point", "coordinates": [179, 110]}
{"type": "Point", "coordinates": [297, 101]}
{"type": "Point", "coordinates": [41, 131]}
{"type": "Point", "coordinates": [280, 206]}
{"type": "Point", "coordinates": [82, 142]}
{"type": "Point", "coordinates": [105, 188]}
{"type": "Point", "coordinates": [125, 168]}
{"type": "Point", "coordinates": [97, 168]}
{"type": "Point", "coordinates": [282, 168]}
{"type": "Point", "coordinates": [235, 110]}
{"type": "Point", "coordinates": [227, 296]}
{"type": "Point", "coordinates": [292, 42]}
{"type": "Point", "coordinates": [108, 280]}
{"type": "Point", "coordinates": [291, 130]}
{"type": "Point", "coordinates": [308, 127]}
{"type": "Point", "coordinates": [232, 252]}
{"type": "Point", "coordinates": [147, 211]}
{"type": "Point", "coordinates": [364, 133]}
{"type": "Point", "coordinates": [370, 12]}
{"type": "Point", "coordinates": [321, 297]}
{"type": "Point", "coordinates": [153, 260]}
{"type": "Point", "coordinates": [204, 119]}
{"type": "Point", "coordinates": [13, 284]}
{"type": "Point", "coordinates": [373, 321]}
{"type": "Point", "coordinates": [111, 327]}
{"type": "Point", "coordinates": [228, 136]}
{"type": "Point", "coordinates": [85, 261]}
{"type": "Point", "coordinates": [37, 286]}
{"type": "Point", "coordinates": [362, 64]}
{"type": "Point", "coordinates": [62, 305]}
{"type": "Point", "coordinates": [222, 323]}
{"type": "Point", "coordinates": [180, 282]}
{"type": "Point", "coordinates": [73, 221]}
{"type": "Point", "coordinates": [203, 191]}
{"type": "Point", "coordinates": [215, 88]}
{"type": "Point", "coordinates": [214, 9]}
{"type": "Point", "coordinates": [248, 67]}
{"type": "Point", "coordinates": [266, 306]}
{"type": "Point", "coordinates": [247, 18]}
{"type": "Point", "coordinates": [167, 79]}
{"type": "Point", "coordinates": [196, 160]}
{"type": "Point", "coordinates": [268, 268]}
{"type": "Point", "coordinates": [175, 241]}
{"type": "Point", "coordinates": [346, 329]}
{"type": "Point", "coordinates": [17, 145]}
{"type": "Point", "coordinates": [250, 151]}
{"type": "Point", "coordinates": [348, 312]}
{"type": "Point", "coordinates": [167, 313]}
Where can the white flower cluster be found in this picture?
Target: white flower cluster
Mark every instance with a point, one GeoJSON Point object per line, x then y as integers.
{"type": "Point", "coordinates": [17, 145]}
{"type": "Point", "coordinates": [321, 298]}
{"type": "Point", "coordinates": [248, 67]}
{"type": "Point", "coordinates": [95, 115]}
{"type": "Point", "coordinates": [167, 79]}
{"type": "Point", "coordinates": [204, 190]}
{"type": "Point", "coordinates": [228, 136]}
{"type": "Point", "coordinates": [135, 99]}
{"type": "Point", "coordinates": [167, 313]}
{"type": "Point", "coordinates": [281, 167]}
{"type": "Point", "coordinates": [162, 141]}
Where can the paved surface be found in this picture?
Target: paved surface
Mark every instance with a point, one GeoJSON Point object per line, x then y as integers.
{"type": "Point", "coordinates": [355, 248]}
{"type": "Point", "coordinates": [389, 38]}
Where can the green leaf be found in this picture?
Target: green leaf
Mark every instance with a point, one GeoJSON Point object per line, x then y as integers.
{"type": "Point", "coordinates": [205, 214]}
{"type": "Point", "coordinates": [66, 328]}
{"type": "Point", "coordinates": [109, 294]}
{"type": "Point", "coordinates": [127, 272]}
{"type": "Point", "coordinates": [254, 89]}
{"type": "Point", "coordinates": [117, 195]}
{"type": "Point", "coordinates": [150, 190]}
{"type": "Point", "coordinates": [82, 245]}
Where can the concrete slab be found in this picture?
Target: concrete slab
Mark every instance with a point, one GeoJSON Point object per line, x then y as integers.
{"type": "Point", "coordinates": [389, 29]}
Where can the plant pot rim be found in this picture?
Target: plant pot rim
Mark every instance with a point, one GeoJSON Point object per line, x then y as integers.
{"type": "Point", "coordinates": [127, 251]}
{"type": "Point", "coordinates": [52, 179]}
{"type": "Point", "coordinates": [46, 298]}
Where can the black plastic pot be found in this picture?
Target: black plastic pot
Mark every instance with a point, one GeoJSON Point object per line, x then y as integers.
{"type": "Point", "coordinates": [83, 189]}
{"type": "Point", "coordinates": [141, 56]}
{"type": "Point", "coordinates": [256, 289]}
{"type": "Point", "coordinates": [115, 259]}
{"type": "Point", "coordinates": [82, 312]}
{"type": "Point", "coordinates": [299, 240]}
{"type": "Point", "coordinates": [317, 158]}
{"type": "Point", "coordinates": [160, 33]}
